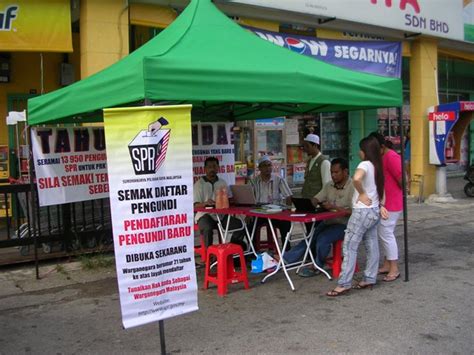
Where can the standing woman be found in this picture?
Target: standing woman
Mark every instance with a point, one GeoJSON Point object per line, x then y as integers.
{"type": "Point", "coordinates": [392, 172]}
{"type": "Point", "coordinates": [368, 184]}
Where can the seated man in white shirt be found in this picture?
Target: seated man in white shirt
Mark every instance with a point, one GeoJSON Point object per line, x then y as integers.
{"type": "Point", "coordinates": [272, 189]}
{"type": "Point", "coordinates": [205, 195]}
{"type": "Point", "coordinates": [335, 195]}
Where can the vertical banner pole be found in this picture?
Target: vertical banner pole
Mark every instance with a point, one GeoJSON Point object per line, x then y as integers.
{"type": "Point", "coordinates": [32, 222]}
{"type": "Point", "coordinates": [162, 337]}
{"type": "Point", "coordinates": [404, 189]}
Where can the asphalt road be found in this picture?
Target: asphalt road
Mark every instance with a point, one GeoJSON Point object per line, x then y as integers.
{"type": "Point", "coordinates": [73, 311]}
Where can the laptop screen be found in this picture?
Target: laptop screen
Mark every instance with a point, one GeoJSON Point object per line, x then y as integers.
{"type": "Point", "coordinates": [243, 195]}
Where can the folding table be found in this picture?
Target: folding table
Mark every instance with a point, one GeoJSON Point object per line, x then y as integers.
{"type": "Point", "coordinates": [289, 216]}
{"type": "Point", "coordinates": [307, 237]}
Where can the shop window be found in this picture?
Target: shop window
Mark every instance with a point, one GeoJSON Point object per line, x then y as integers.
{"type": "Point", "coordinates": [139, 35]}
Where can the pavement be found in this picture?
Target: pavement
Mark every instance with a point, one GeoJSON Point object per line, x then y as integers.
{"type": "Point", "coordinates": [73, 310]}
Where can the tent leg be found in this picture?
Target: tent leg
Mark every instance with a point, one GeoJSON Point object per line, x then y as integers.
{"type": "Point", "coordinates": [34, 198]}
{"type": "Point", "coordinates": [404, 189]}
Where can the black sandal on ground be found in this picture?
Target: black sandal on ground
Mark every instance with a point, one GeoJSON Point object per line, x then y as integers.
{"type": "Point", "coordinates": [360, 286]}
{"type": "Point", "coordinates": [335, 293]}
{"type": "Point", "coordinates": [390, 278]}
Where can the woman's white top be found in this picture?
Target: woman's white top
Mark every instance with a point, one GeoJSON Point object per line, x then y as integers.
{"type": "Point", "coordinates": [369, 186]}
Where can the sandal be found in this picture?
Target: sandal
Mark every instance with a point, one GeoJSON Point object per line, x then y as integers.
{"type": "Point", "coordinates": [390, 278]}
{"type": "Point", "coordinates": [309, 272]}
{"type": "Point", "coordinates": [361, 286]}
{"type": "Point", "coordinates": [383, 272]}
{"type": "Point", "coordinates": [335, 293]}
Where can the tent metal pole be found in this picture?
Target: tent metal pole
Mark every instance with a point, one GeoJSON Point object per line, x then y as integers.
{"type": "Point", "coordinates": [147, 102]}
{"type": "Point", "coordinates": [162, 337]}
{"type": "Point", "coordinates": [404, 189]}
{"type": "Point", "coordinates": [33, 231]}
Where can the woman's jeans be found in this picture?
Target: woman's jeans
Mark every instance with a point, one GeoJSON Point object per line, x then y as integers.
{"type": "Point", "coordinates": [362, 225]}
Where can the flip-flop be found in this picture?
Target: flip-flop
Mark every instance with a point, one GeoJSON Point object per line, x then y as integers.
{"type": "Point", "coordinates": [383, 272]}
{"type": "Point", "coordinates": [335, 293]}
{"type": "Point", "coordinates": [390, 278]}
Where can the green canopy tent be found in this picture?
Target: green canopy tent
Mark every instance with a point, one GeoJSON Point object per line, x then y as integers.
{"type": "Point", "coordinates": [226, 72]}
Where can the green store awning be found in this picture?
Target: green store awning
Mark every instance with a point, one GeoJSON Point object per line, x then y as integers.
{"type": "Point", "coordinates": [225, 71]}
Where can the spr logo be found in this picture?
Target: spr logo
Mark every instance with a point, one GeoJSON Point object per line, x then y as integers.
{"type": "Point", "coordinates": [148, 149]}
{"type": "Point", "coordinates": [7, 17]}
{"type": "Point", "coordinates": [403, 4]}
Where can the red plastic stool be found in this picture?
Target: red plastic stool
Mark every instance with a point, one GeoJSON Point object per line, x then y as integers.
{"type": "Point", "coordinates": [200, 249]}
{"type": "Point", "coordinates": [264, 244]}
{"type": "Point", "coordinates": [226, 273]}
{"type": "Point", "coordinates": [336, 260]}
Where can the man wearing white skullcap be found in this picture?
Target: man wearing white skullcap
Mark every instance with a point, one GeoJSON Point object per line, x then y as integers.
{"type": "Point", "coordinates": [318, 167]}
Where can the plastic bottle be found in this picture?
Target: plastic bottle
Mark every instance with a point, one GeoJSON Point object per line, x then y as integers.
{"type": "Point", "coordinates": [219, 198]}
{"type": "Point", "coordinates": [225, 198]}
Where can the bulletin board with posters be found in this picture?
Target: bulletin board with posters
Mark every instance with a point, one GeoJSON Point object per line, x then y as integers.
{"type": "Point", "coordinates": [296, 156]}
{"type": "Point", "coordinates": [214, 139]}
{"type": "Point", "coordinates": [270, 140]}
{"type": "Point", "coordinates": [388, 125]}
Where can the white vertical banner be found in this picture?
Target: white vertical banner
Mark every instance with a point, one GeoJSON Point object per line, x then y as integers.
{"type": "Point", "coordinates": [214, 139]}
{"type": "Point", "coordinates": [151, 199]}
{"type": "Point", "coordinates": [70, 164]}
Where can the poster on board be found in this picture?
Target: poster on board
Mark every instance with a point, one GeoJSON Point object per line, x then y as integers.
{"type": "Point", "coordinates": [70, 164]}
{"type": "Point", "coordinates": [214, 139]}
{"type": "Point", "coordinates": [151, 198]}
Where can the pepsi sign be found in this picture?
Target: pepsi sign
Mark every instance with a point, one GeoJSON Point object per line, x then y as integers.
{"type": "Point", "coordinates": [374, 57]}
{"type": "Point", "coordinates": [295, 45]}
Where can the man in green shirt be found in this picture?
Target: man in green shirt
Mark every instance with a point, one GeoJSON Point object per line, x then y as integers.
{"type": "Point", "coordinates": [318, 167]}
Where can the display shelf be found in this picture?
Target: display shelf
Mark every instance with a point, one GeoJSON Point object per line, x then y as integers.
{"type": "Point", "coordinates": [4, 168]}
{"type": "Point", "coordinates": [3, 206]}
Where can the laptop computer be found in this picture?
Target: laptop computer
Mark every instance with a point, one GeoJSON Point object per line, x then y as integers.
{"type": "Point", "coordinates": [243, 195]}
{"type": "Point", "coordinates": [305, 205]}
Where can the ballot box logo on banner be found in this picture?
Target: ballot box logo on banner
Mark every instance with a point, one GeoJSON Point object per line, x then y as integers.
{"type": "Point", "coordinates": [148, 148]}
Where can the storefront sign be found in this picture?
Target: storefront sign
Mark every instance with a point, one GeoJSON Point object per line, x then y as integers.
{"type": "Point", "coordinates": [441, 18]}
{"type": "Point", "coordinates": [70, 164]}
{"type": "Point", "coordinates": [440, 136]}
{"type": "Point", "coordinates": [214, 139]}
{"type": "Point", "coordinates": [151, 199]}
{"type": "Point", "coordinates": [467, 105]}
{"type": "Point", "coordinates": [277, 122]}
{"type": "Point", "coordinates": [41, 26]}
{"type": "Point", "coordinates": [468, 17]}
{"type": "Point", "coordinates": [375, 57]}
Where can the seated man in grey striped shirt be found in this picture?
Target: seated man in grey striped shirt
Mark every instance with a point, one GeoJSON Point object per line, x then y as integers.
{"type": "Point", "coordinates": [271, 188]}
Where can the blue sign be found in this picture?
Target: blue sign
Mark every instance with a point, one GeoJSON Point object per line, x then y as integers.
{"type": "Point", "coordinates": [441, 139]}
{"type": "Point", "coordinates": [375, 57]}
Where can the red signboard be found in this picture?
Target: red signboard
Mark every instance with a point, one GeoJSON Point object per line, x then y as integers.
{"type": "Point", "coordinates": [467, 105]}
{"type": "Point", "coordinates": [442, 116]}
